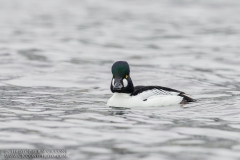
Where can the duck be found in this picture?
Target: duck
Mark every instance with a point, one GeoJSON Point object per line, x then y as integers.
{"type": "Point", "coordinates": [126, 95]}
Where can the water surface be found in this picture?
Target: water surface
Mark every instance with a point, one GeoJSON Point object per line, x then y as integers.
{"type": "Point", "coordinates": [55, 61]}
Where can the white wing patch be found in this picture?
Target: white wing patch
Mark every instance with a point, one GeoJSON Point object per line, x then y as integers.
{"type": "Point", "coordinates": [156, 92]}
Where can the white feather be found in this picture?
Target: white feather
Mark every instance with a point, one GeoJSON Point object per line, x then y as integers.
{"type": "Point", "coordinates": [155, 92]}
{"type": "Point", "coordinates": [125, 100]}
{"type": "Point", "coordinates": [125, 82]}
{"type": "Point", "coordinates": [113, 81]}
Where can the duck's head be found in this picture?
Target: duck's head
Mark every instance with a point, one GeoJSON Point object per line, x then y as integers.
{"type": "Point", "coordinates": [121, 81]}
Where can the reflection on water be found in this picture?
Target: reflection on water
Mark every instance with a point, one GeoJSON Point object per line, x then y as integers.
{"type": "Point", "coordinates": [55, 61]}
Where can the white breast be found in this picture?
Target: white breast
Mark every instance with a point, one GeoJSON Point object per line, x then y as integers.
{"type": "Point", "coordinates": [125, 100]}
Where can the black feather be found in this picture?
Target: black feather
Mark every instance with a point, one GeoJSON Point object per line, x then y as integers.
{"type": "Point", "coordinates": [140, 89]}
{"type": "Point", "coordinates": [186, 99]}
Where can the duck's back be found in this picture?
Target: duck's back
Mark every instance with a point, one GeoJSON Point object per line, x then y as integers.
{"type": "Point", "coordinates": [148, 92]}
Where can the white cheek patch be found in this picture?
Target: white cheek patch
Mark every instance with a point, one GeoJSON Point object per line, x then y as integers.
{"type": "Point", "coordinates": [125, 82]}
{"type": "Point", "coordinates": [113, 81]}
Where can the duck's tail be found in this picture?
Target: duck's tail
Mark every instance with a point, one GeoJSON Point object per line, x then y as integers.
{"type": "Point", "coordinates": [186, 99]}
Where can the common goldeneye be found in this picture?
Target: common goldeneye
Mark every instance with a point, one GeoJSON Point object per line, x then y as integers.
{"type": "Point", "coordinates": [126, 95]}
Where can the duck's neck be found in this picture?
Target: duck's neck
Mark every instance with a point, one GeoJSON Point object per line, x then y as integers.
{"type": "Point", "coordinates": [130, 87]}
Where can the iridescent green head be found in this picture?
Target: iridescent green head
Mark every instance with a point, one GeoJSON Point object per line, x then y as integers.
{"type": "Point", "coordinates": [120, 69]}
{"type": "Point", "coordinates": [121, 81]}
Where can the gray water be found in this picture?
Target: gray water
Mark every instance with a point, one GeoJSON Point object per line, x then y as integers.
{"type": "Point", "coordinates": [55, 73]}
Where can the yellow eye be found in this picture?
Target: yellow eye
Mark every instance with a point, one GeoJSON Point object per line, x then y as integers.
{"type": "Point", "coordinates": [126, 76]}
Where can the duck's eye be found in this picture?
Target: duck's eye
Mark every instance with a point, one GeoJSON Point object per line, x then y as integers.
{"type": "Point", "coordinates": [126, 76]}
